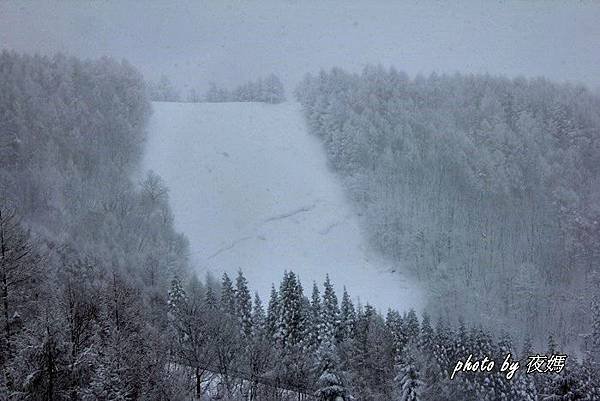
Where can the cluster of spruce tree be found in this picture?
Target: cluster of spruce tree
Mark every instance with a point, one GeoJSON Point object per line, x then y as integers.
{"type": "Point", "coordinates": [86, 253]}
{"type": "Point", "coordinates": [318, 345]}
{"type": "Point", "coordinates": [267, 90]}
{"type": "Point", "coordinates": [485, 187]}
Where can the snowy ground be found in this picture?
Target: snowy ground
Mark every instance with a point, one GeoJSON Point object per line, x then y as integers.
{"type": "Point", "coordinates": [251, 190]}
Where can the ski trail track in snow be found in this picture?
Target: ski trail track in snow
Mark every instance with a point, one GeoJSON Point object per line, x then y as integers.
{"type": "Point", "coordinates": [251, 189]}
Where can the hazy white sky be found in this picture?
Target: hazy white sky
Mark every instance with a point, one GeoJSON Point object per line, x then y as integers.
{"type": "Point", "coordinates": [227, 42]}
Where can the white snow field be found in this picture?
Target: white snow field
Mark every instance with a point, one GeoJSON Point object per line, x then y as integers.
{"type": "Point", "coordinates": [251, 189]}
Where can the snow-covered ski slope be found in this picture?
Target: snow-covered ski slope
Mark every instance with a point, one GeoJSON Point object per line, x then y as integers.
{"type": "Point", "coordinates": [251, 189]}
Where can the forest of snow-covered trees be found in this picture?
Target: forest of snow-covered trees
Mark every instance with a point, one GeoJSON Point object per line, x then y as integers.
{"type": "Point", "coordinates": [86, 253]}
{"type": "Point", "coordinates": [98, 300]}
{"type": "Point", "coordinates": [266, 90]}
{"type": "Point", "coordinates": [319, 345]}
{"type": "Point", "coordinates": [485, 187]}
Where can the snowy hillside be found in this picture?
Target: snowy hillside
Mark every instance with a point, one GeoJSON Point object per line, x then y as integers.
{"type": "Point", "coordinates": [251, 190]}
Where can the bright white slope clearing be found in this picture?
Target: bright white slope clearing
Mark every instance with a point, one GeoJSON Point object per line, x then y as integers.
{"type": "Point", "coordinates": [251, 190]}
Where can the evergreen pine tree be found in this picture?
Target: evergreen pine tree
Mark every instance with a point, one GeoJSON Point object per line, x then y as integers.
{"type": "Point", "coordinates": [393, 322]}
{"type": "Point", "coordinates": [426, 339]}
{"type": "Point", "coordinates": [348, 317]}
{"type": "Point", "coordinates": [411, 326]}
{"type": "Point", "coordinates": [461, 342]}
{"type": "Point", "coordinates": [290, 323]}
{"type": "Point", "coordinates": [258, 316]}
{"type": "Point", "coordinates": [272, 313]}
{"type": "Point", "coordinates": [495, 385]}
{"type": "Point", "coordinates": [227, 295]}
{"type": "Point", "coordinates": [243, 304]}
{"type": "Point", "coordinates": [504, 345]}
{"type": "Point", "coordinates": [360, 344]}
{"type": "Point", "coordinates": [330, 386]}
{"type": "Point", "coordinates": [316, 317]}
{"type": "Point", "coordinates": [331, 312]}
{"type": "Point", "coordinates": [408, 379]}
{"type": "Point", "coordinates": [210, 298]}
{"type": "Point", "coordinates": [443, 347]}
{"type": "Point", "coordinates": [481, 343]}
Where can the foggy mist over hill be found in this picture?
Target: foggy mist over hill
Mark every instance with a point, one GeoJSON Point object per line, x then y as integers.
{"type": "Point", "coordinates": [229, 42]}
